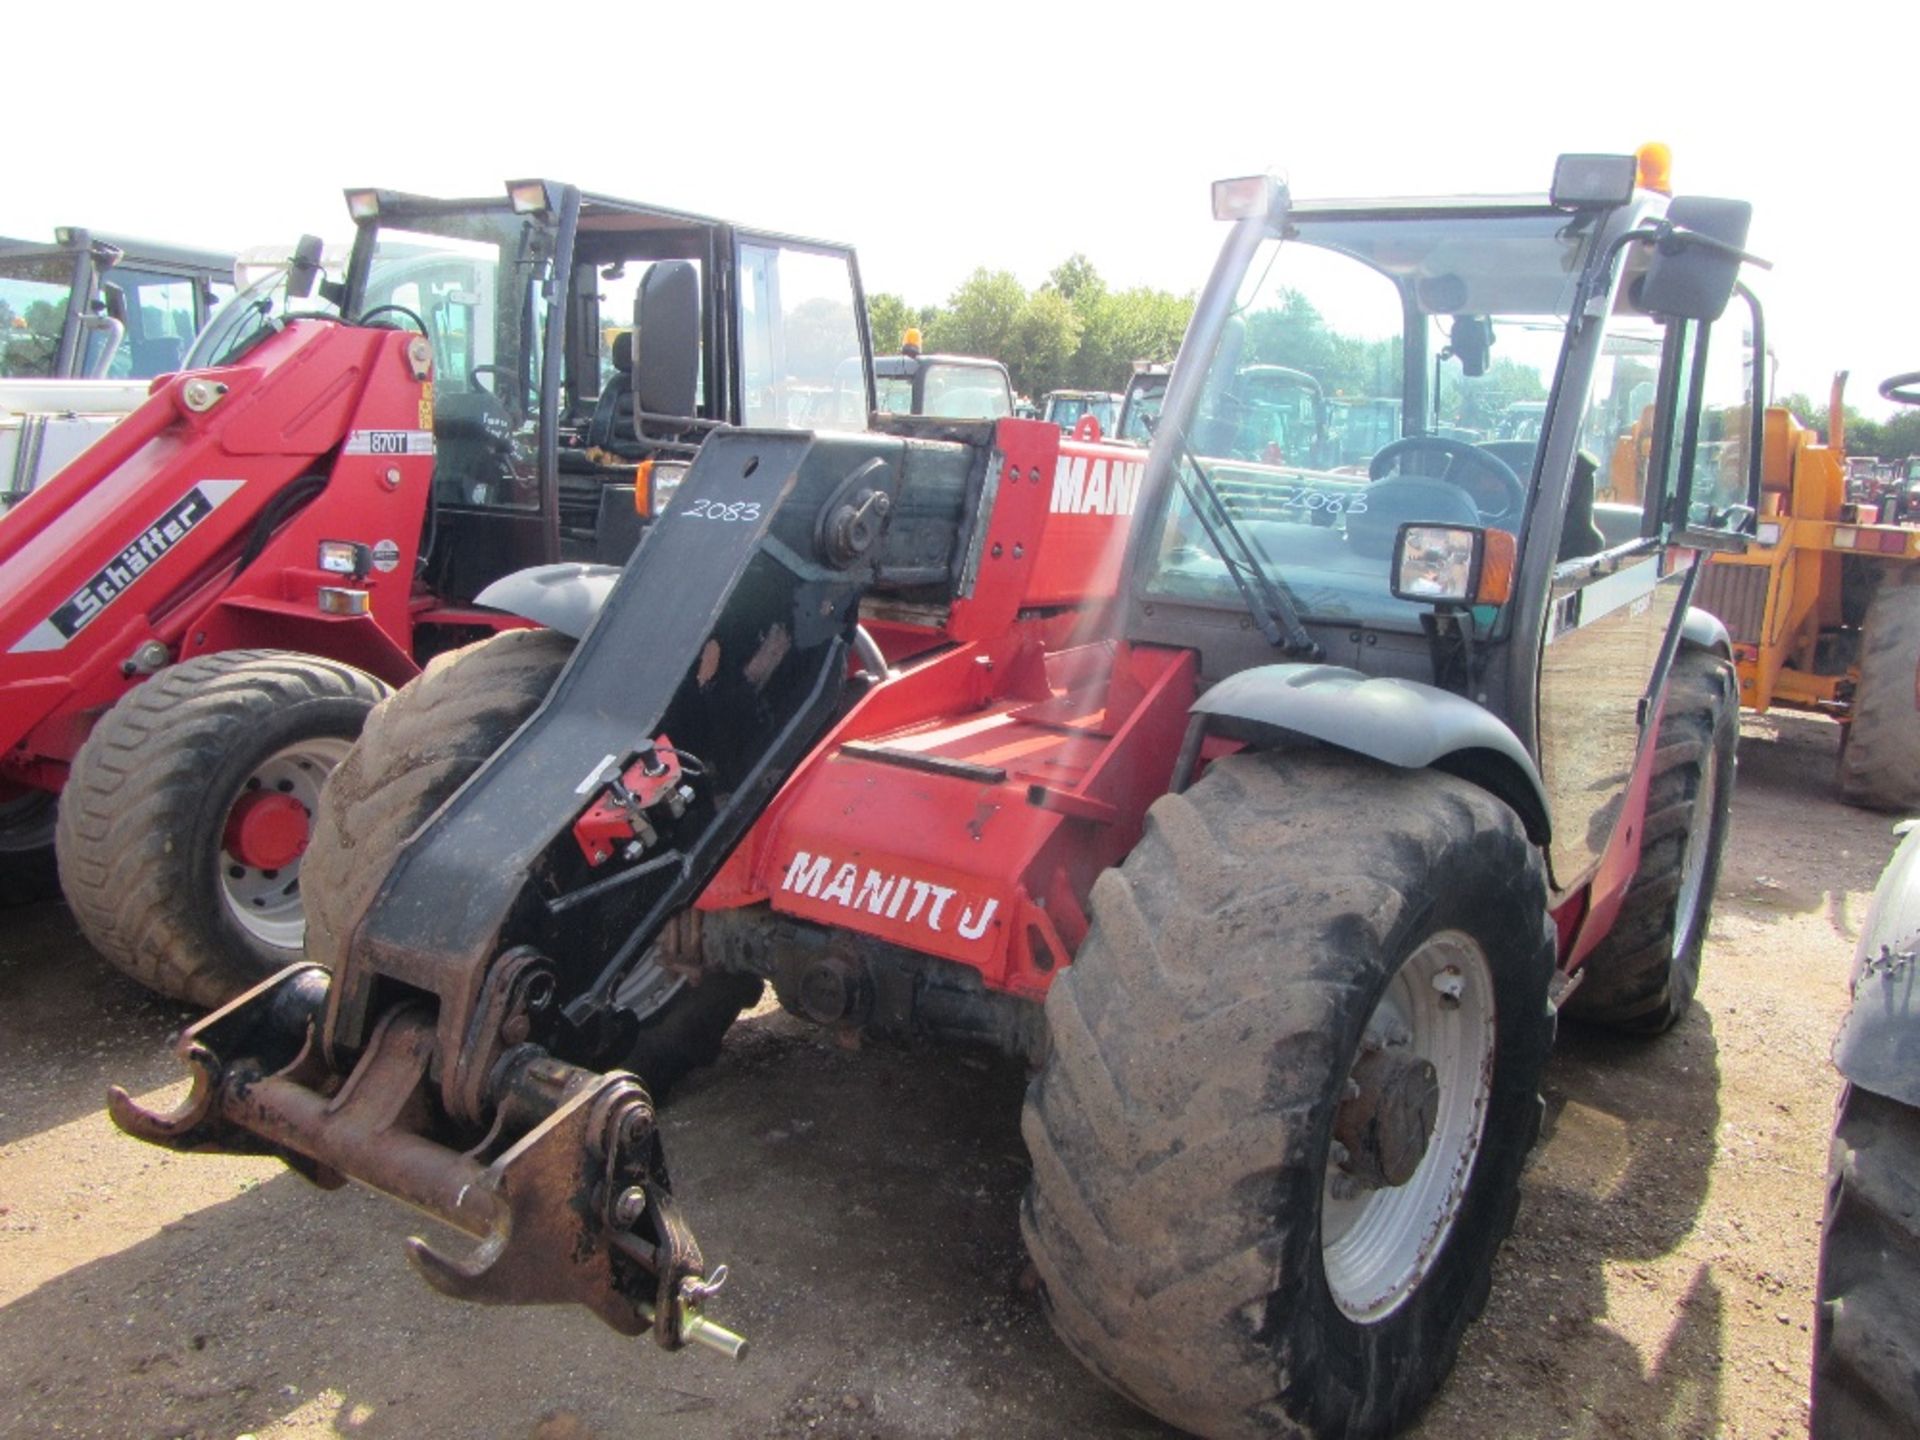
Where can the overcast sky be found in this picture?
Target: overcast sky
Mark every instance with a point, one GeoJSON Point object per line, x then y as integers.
{"type": "Point", "coordinates": [941, 137]}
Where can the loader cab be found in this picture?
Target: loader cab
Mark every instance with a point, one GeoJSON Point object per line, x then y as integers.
{"type": "Point", "coordinates": [1519, 343]}
{"type": "Point", "coordinates": [1066, 408]}
{"type": "Point", "coordinates": [1140, 409]}
{"type": "Point", "coordinates": [99, 307]}
{"type": "Point", "coordinates": [948, 387]}
{"type": "Point", "coordinates": [583, 347]}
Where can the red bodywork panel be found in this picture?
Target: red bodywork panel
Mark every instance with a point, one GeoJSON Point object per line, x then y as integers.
{"type": "Point", "coordinates": [139, 538]}
{"type": "Point", "coordinates": [964, 808]}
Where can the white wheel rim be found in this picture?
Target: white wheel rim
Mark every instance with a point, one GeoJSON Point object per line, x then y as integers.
{"type": "Point", "coordinates": [266, 903]}
{"type": "Point", "coordinates": [1693, 864]}
{"type": "Point", "coordinates": [1377, 1245]}
{"type": "Point", "coordinates": [648, 986]}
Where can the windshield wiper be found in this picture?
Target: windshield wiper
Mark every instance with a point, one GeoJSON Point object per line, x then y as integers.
{"type": "Point", "coordinates": [1267, 599]}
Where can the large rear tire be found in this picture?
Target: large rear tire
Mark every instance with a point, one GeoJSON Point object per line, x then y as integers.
{"type": "Point", "coordinates": [1642, 976]}
{"type": "Point", "coordinates": [419, 747]}
{"type": "Point", "coordinates": [1866, 1340]}
{"type": "Point", "coordinates": [1880, 761]}
{"type": "Point", "coordinates": [151, 837]}
{"type": "Point", "coordinates": [1236, 1057]}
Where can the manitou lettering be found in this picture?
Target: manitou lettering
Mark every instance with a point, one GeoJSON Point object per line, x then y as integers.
{"type": "Point", "coordinates": [1090, 485]}
{"type": "Point", "coordinates": [893, 897]}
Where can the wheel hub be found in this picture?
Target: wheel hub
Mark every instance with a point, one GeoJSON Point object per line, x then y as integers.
{"type": "Point", "coordinates": [267, 830]}
{"type": "Point", "coordinates": [1387, 1119]}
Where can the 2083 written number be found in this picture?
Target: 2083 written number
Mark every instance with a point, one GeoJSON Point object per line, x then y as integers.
{"type": "Point", "coordinates": [723, 510]}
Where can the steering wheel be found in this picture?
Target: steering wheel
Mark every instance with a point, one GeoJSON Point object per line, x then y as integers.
{"type": "Point", "coordinates": [1462, 457]}
{"type": "Point", "coordinates": [1902, 389]}
{"type": "Point", "coordinates": [473, 382]}
{"type": "Point", "coordinates": [399, 310]}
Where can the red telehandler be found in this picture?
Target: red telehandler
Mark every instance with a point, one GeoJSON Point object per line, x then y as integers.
{"type": "Point", "coordinates": [1278, 874]}
{"type": "Point", "coordinates": [198, 613]}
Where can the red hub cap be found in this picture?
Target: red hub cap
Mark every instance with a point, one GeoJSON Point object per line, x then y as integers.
{"type": "Point", "coordinates": [267, 830]}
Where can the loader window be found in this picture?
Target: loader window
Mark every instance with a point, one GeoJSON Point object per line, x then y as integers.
{"type": "Point", "coordinates": [34, 294]}
{"type": "Point", "coordinates": [797, 328]}
{"type": "Point", "coordinates": [160, 323]}
{"type": "Point", "coordinates": [1713, 458]}
{"type": "Point", "coordinates": [1373, 372]}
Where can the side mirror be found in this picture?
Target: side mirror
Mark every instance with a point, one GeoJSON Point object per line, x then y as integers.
{"type": "Point", "coordinates": [1696, 262]}
{"type": "Point", "coordinates": [304, 269]}
{"type": "Point", "coordinates": [1453, 566]}
{"type": "Point", "coordinates": [115, 299]}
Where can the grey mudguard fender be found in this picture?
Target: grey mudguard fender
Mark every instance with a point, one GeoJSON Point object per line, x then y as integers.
{"type": "Point", "coordinates": [561, 597]}
{"type": "Point", "coordinates": [1878, 1047]}
{"type": "Point", "coordinates": [1398, 722]}
{"type": "Point", "coordinates": [1702, 630]}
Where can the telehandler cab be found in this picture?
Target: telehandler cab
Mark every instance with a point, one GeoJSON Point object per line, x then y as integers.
{"type": "Point", "coordinates": [198, 613]}
{"type": "Point", "coordinates": [1278, 877]}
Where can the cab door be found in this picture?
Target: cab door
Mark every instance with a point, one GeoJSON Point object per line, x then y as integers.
{"type": "Point", "coordinates": [1667, 422]}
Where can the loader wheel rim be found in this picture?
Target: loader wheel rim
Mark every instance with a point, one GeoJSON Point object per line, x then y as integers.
{"type": "Point", "coordinates": [1693, 865]}
{"type": "Point", "coordinates": [1378, 1241]}
{"type": "Point", "coordinates": [263, 839]}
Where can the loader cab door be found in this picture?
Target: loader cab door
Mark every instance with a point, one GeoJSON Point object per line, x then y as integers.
{"type": "Point", "coordinates": [478, 280]}
{"type": "Point", "coordinates": [799, 317]}
{"type": "Point", "coordinates": [1661, 463]}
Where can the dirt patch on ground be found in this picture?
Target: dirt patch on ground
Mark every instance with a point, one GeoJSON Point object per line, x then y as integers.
{"type": "Point", "coordinates": [1659, 1282]}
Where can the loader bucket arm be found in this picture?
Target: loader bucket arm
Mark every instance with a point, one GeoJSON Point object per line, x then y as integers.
{"type": "Point", "coordinates": [437, 1063]}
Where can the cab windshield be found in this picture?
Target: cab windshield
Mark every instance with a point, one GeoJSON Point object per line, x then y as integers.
{"type": "Point", "coordinates": [1372, 372]}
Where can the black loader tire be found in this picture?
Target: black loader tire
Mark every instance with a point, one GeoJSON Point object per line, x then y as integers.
{"type": "Point", "coordinates": [1200, 1044]}
{"type": "Point", "coordinates": [1641, 977]}
{"type": "Point", "coordinates": [419, 747]}
{"type": "Point", "coordinates": [1880, 761]}
{"type": "Point", "coordinates": [143, 814]}
{"type": "Point", "coordinates": [1866, 1337]}
{"type": "Point", "coordinates": [28, 872]}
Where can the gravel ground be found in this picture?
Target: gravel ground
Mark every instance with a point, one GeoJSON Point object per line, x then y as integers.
{"type": "Point", "coordinates": [1659, 1281]}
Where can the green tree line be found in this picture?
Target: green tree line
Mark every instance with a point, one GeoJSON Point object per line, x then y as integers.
{"type": "Point", "coordinates": [1893, 439]}
{"type": "Point", "coordinates": [1071, 333]}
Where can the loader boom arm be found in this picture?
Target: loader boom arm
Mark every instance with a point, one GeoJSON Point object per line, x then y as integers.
{"type": "Point", "coordinates": [428, 1065]}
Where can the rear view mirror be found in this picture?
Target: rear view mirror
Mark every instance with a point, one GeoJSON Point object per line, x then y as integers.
{"type": "Point", "coordinates": [304, 269]}
{"type": "Point", "coordinates": [1696, 262]}
{"type": "Point", "coordinates": [1471, 343]}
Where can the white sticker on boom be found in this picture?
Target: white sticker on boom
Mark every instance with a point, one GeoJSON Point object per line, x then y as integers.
{"type": "Point", "coordinates": [389, 442]}
{"type": "Point", "coordinates": [594, 776]}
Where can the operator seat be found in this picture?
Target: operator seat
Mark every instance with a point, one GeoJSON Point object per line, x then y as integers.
{"type": "Point", "coordinates": [666, 360]}
{"type": "Point", "coordinates": [611, 426]}
{"type": "Point", "coordinates": [1580, 533]}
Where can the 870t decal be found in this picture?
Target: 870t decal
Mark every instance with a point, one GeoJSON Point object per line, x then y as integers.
{"type": "Point", "coordinates": [114, 578]}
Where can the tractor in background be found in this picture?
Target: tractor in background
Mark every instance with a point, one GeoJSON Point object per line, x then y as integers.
{"type": "Point", "coordinates": [85, 324]}
{"type": "Point", "coordinates": [1066, 409]}
{"type": "Point", "coordinates": [1823, 608]}
{"type": "Point", "coordinates": [951, 387]}
{"type": "Point", "coordinates": [197, 614]}
{"type": "Point", "coordinates": [1275, 857]}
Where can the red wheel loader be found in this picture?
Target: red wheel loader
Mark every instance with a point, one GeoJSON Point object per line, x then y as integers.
{"type": "Point", "coordinates": [1276, 862]}
{"type": "Point", "coordinates": [198, 613]}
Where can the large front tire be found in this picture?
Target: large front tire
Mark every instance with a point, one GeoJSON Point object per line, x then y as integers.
{"type": "Point", "coordinates": [1866, 1339]}
{"type": "Point", "coordinates": [152, 836]}
{"type": "Point", "coordinates": [1880, 761]}
{"type": "Point", "coordinates": [1642, 976]}
{"type": "Point", "coordinates": [422, 745]}
{"type": "Point", "coordinates": [1236, 1054]}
